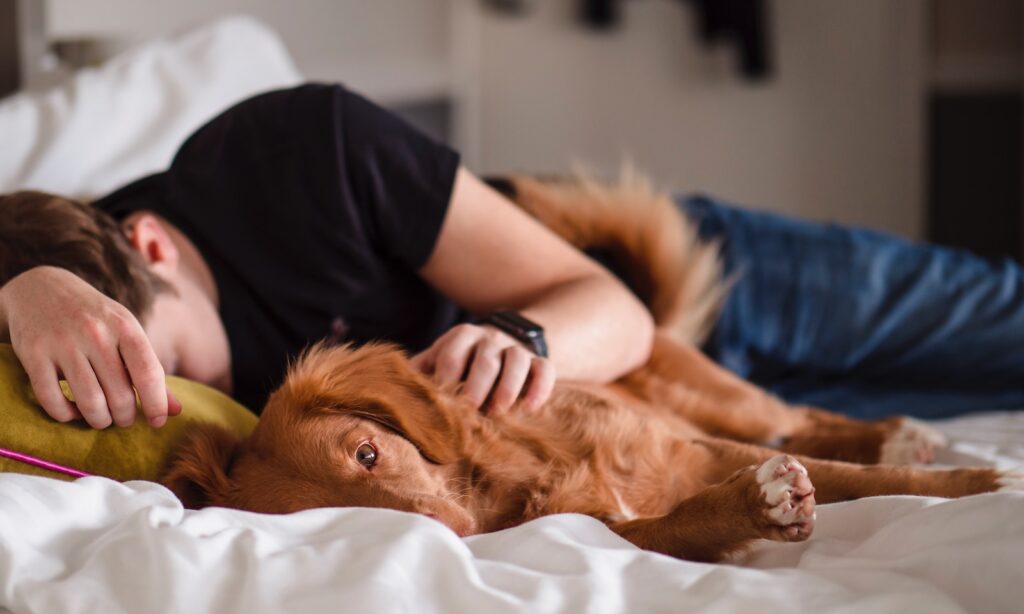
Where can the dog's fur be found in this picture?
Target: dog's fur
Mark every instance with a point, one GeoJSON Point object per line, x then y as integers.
{"type": "Point", "coordinates": [673, 456]}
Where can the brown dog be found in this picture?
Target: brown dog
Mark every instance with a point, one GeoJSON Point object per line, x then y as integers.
{"type": "Point", "coordinates": [664, 456]}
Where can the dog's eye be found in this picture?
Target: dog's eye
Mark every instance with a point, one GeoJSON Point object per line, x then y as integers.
{"type": "Point", "coordinates": [366, 454]}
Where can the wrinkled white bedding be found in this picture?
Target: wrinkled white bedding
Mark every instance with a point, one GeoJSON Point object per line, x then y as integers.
{"type": "Point", "coordinates": [98, 546]}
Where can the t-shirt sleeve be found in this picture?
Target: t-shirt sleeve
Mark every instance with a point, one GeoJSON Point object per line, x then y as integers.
{"type": "Point", "coordinates": [401, 179]}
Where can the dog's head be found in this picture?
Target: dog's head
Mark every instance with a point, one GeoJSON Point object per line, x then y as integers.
{"type": "Point", "coordinates": [348, 427]}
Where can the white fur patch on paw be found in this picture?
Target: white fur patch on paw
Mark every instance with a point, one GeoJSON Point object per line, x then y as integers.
{"type": "Point", "coordinates": [789, 495]}
{"type": "Point", "coordinates": [1011, 481]}
{"type": "Point", "coordinates": [913, 442]}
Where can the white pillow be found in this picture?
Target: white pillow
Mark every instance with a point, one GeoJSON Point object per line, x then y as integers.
{"type": "Point", "coordinates": [110, 125]}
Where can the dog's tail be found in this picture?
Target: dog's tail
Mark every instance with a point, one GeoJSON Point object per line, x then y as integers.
{"type": "Point", "coordinates": [653, 246]}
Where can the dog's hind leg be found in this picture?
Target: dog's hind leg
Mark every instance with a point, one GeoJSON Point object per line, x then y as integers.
{"type": "Point", "coordinates": [682, 379]}
{"type": "Point", "coordinates": [895, 441]}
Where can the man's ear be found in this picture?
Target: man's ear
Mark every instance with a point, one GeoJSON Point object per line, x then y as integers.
{"type": "Point", "coordinates": [148, 236]}
{"type": "Point", "coordinates": [198, 471]}
{"type": "Point", "coordinates": [375, 382]}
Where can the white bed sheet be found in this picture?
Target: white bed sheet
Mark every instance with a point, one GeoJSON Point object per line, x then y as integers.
{"type": "Point", "coordinates": [96, 545]}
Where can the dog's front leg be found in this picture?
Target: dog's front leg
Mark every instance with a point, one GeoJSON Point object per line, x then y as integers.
{"type": "Point", "coordinates": [774, 500]}
{"type": "Point", "coordinates": [841, 481]}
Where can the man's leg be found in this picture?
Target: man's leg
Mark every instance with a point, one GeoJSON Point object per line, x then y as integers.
{"type": "Point", "coordinates": [863, 322]}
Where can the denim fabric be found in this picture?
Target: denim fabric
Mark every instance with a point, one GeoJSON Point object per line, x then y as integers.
{"type": "Point", "coordinates": [863, 322]}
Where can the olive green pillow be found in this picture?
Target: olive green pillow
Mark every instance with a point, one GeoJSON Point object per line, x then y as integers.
{"type": "Point", "coordinates": [138, 452]}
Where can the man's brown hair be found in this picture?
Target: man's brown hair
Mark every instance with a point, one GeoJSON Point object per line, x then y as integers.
{"type": "Point", "coordinates": [39, 229]}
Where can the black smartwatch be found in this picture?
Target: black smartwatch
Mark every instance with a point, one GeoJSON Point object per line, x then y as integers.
{"type": "Point", "coordinates": [527, 332]}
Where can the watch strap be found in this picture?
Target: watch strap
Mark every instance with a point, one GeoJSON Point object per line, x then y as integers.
{"type": "Point", "coordinates": [524, 330]}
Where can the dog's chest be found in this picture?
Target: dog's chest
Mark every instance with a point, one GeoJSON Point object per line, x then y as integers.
{"type": "Point", "coordinates": [625, 512]}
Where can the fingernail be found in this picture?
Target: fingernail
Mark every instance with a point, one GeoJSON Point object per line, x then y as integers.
{"type": "Point", "coordinates": [173, 404]}
{"type": "Point", "coordinates": [157, 421]}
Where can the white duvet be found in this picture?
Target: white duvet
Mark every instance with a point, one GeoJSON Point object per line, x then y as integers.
{"type": "Point", "coordinates": [99, 546]}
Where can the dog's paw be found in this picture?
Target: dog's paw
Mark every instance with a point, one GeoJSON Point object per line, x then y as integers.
{"type": "Point", "coordinates": [788, 497]}
{"type": "Point", "coordinates": [912, 441]}
{"type": "Point", "coordinates": [1010, 481]}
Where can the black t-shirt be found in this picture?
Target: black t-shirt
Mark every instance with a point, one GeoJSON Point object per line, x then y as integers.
{"type": "Point", "coordinates": [313, 208]}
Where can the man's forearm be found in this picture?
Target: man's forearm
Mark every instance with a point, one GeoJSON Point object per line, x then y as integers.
{"type": "Point", "coordinates": [596, 330]}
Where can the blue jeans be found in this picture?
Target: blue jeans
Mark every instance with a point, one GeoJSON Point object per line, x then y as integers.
{"type": "Point", "coordinates": [862, 322]}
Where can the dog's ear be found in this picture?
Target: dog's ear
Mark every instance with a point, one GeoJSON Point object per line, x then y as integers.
{"type": "Point", "coordinates": [375, 382]}
{"type": "Point", "coordinates": [198, 470]}
{"type": "Point", "coordinates": [423, 416]}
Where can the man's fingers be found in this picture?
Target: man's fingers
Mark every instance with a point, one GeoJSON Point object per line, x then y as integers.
{"type": "Point", "coordinates": [423, 362]}
{"type": "Point", "coordinates": [491, 368]}
{"type": "Point", "coordinates": [483, 371]}
{"type": "Point", "coordinates": [113, 378]}
{"type": "Point", "coordinates": [45, 383]}
{"type": "Point", "coordinates": [453, 354]}
{"type": "Point", "coordinates": [173, 404]}
{"type": "Point", "coordinates": [515, 368]}
{"type": "Point", "coordinates": [542, 383]}
{"type": "Point", "coordinates": [86, 389]}
{"type": "Point", "coordinates": [147, 375]}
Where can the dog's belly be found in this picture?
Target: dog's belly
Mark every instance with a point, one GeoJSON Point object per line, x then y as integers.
{"type": "Point", "coordinates": [612, 460]}
{"type": "Point", "coordinates": [601, 412]}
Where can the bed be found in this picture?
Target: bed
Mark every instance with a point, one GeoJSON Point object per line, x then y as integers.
{"type": "Point", "coordinates": [99, 545]}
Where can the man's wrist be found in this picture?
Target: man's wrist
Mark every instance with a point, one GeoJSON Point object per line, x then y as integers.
{"type": "Point", "coordinates": [520, 328]}
{"type": "Point", "coordinates": [5, 297]}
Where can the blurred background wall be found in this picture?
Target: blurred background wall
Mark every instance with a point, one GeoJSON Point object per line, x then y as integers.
{"type": "Point", "coordinates": [831, 133]}
{"type": "Point", "coordinates": [844, 127]}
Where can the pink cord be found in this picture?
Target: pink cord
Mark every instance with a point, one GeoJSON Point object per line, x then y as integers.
{"type": "Point", "coordinates": [38, 462]}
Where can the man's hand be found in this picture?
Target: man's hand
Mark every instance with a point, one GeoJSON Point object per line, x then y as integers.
{"type": "Point", "coordinates": [63, 328]}
{"type": "Point", "coordinates": [494, 366]}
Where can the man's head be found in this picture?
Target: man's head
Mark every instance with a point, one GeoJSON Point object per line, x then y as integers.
{"type": "Point", "coordinates": [144, 263]}
{"type": "Point", "coordinates": [39, 229]}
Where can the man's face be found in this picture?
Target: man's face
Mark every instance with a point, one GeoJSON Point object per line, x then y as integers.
{"type": "Point", "coordinates": [159, 325]}
{"type": "Point", "coordinates": [188, 336]}
{"type": "Point", "coordinates": [183, 326]}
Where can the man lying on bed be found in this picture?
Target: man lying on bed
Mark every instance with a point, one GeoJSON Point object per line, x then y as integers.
{"type": "Point", "coordinates": [311, 213]}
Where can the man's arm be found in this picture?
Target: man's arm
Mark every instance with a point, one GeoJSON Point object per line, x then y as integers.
{"type": "Point", "coordinates": [490, 255]}
{"type": "Point", "coordinates": [61, 327]}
